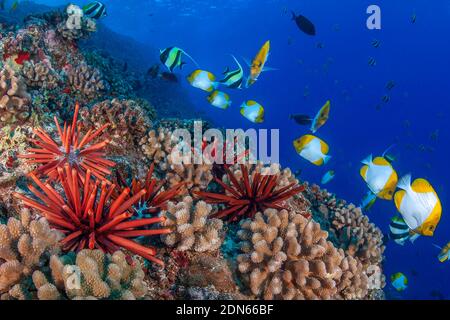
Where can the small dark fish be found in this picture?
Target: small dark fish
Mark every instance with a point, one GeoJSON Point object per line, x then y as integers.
{"type": "Point", "coordinates": [386, 98]}
{"type": "Point", "coordinates": [434, 135]}
{"type": "Point", "coordinates": [320, 45]}
{"type": "Point", "coordinates": [390, 85]}
{"type": "Point", "coordinates": [168, 76]}
{"type": "Point", "coordinates": [153, 71]}
{"type": "Point", "coordinates": [376, 43]}
{"type": "Point", "coordinates": [372, 62]}
{"type": "Point", "coordinates": [289, 41]}
{"type": "Point", "coordinates": [413, 18]}
{"type": "Point", "coordinates": [304, 24]}
{"type": "Point", "coordinates": [125, 67]}
{"type": "Point", "coordinates": [301, 119]}
{"type": "Point", "coordinates": [378, 107]}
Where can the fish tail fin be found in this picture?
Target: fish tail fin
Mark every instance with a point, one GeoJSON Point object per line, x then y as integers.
{"type": "Point", "coordinates": [368, 160]}
{"type": "Point", "coordinates": [326, 159]}
{"type": "Point", "coordinates": [405, 182]}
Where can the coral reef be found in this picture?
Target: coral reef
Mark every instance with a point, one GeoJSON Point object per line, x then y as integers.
{"type": "Point", "coordinates": [89, 217]}
{"type": "Point", "coordinates": [86, 82]}
{"type": "Point", "coordinates": [91, 275]}
{"type": "Point", "coordinates": [350, 228]}
{"type": "Point", "coordinates": [40, 75]}
{"type": "Point", "coordinates": [14, 98]}
{"type": "Point", "coordinates": [286, 256]}
{"type": "Point", "coordinates": [25, 245]}
{"type": "Point", "coordinates": [158, 146]}
{"type": "Point", "coordinates": [248, 192]}
{"type": "Point", "coordinates": [129, 120]}
{"type": "Point", "coordinates": [192, 227]}
{"type": "Point", "coordinates": [76, 26]}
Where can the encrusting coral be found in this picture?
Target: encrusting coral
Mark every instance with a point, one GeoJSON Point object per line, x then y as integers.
{"type": "Point", "coordinates": [89, 275]}
{"type": "Point", "coordinates": [192, 227]}
{"type": "Point", "coordinates": [14, 98]}
{"type": "Point", "coordinates": [25, 245]}
{"type": "Point", "coordinates": [286, 256]}
{"type": "Point", "coordinates": [128, 119]}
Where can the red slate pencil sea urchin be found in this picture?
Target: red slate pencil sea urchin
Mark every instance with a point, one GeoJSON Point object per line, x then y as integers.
{"type": "Point", "coordinates": [89, 217]}
{"type": "Point", "coordinates": [252, 194]}
{"type": "Point", "coordinates": [74, 149]}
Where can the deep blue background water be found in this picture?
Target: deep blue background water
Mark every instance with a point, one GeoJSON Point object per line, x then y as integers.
{"type": "Point", "coordinates": [415, 56]}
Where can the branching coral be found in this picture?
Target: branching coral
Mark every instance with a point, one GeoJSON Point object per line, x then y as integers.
{"type": "Point", "coordinates": [92, 274]}
{"type": "Point", "coordinates": [286, 256]}
{"type": "Point", "coordinates": [40, 75]}
{"type": "Point", "coordinates": [158, 146]}
{"type": "Point", "coordinates": [74, 149]}
{"type": "Point", "coordinates": [89, 217]}
{"type": "Point", "coordinates": [351, 229]}
{"type": "Point", "coordinates": [86, 82]}
{"type": "Point", "coordinates": [14, 98]}
{"type": "Point", "coordinates": [247, 193]}
{"type": "Point", "coordinates": [25, 245]}
{"type": "Point", "coordinates": [192, 227]}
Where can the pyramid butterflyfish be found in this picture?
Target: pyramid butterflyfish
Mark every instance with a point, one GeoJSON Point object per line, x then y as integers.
{"type": "Point", "coordinates": [313, 149]}
{"type": "Point", "coordinates": [380, 177]}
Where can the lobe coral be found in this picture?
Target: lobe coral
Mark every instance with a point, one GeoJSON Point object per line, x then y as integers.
{"type": "Point", "coordinates": [89, 217]}
{"type": "Point", "coordinates": [249, 193]}
{"type": "Point", "coordinates": [74, 149]}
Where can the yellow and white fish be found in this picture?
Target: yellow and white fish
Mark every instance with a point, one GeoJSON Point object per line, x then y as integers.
{"type": "Point", "coordinates": [419, 205]}
{"type": "Point", "coordinates": [312, 149]}
{"type": "Point", "coordinates": [219, 99]}
{"type": "Point", "coordinates": [258, 64]}
{"type": "Point", "coordinates": [444, 255]}
{"type": "Point", "coordinates": [380, 177]}
{"type": "Point", "coordinates": [203, 80]}
{"type": "Point", "coordinates": [253, 111]}
{"type": "Point", "coordinates": [327, 177]}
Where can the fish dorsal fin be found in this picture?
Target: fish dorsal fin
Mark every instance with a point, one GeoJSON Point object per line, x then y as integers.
{"type": "Point", "coordinates": [422, 186]}
{"type": "Point", "coordinates": [237, 62]}
{"type": "Point", "coordinates": [380, 161]}
{"type": "Point", "coordinates": [368, 160]}
{"type": "Point", "coordinates": [187, 55]}
{"type": "Point", "coordinates": [387, 150]}
{"type": "Point", "coordinates": [436, 246]}
{"type": "Point", "coordinates": [405, 182]}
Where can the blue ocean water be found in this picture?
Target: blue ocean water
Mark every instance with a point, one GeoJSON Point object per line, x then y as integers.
{"type": "Point", "coordinates": [333, 66]}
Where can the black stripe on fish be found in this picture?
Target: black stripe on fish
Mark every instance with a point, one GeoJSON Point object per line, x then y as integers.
{"type": "Point", "coordinates": [230, 75]}
{"type": "Point", "coordinates": [237, 84]}
{"type": "Point", "coordinates": [165, 55]}
{"type": "Point", "coordinates": [90, 9]}
{"type": "Point", "coordinates": [176, 61]}
{"type": "Point", "coordinates": [399, 226]}
{"type": "Point", "coordinates": [100, 12]}
{"type": "Point", "coordinates": [400, 236]}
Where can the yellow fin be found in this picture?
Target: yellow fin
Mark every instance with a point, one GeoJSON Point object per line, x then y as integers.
{"type": "Point", "coordinates": [363, 172]}
{"type": "Point", "coordinates": [422, 186]}
{"type": "Point", "coordinates": [324, 147]}
{"type": "Point", "coordinates": [398, 198]}
{"type": "Point", "coordinates": [318, 162]}
{"type": "Point", "coordinates": [381, 161]}
{"type": "Point", "coordinates": [388, 191]}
